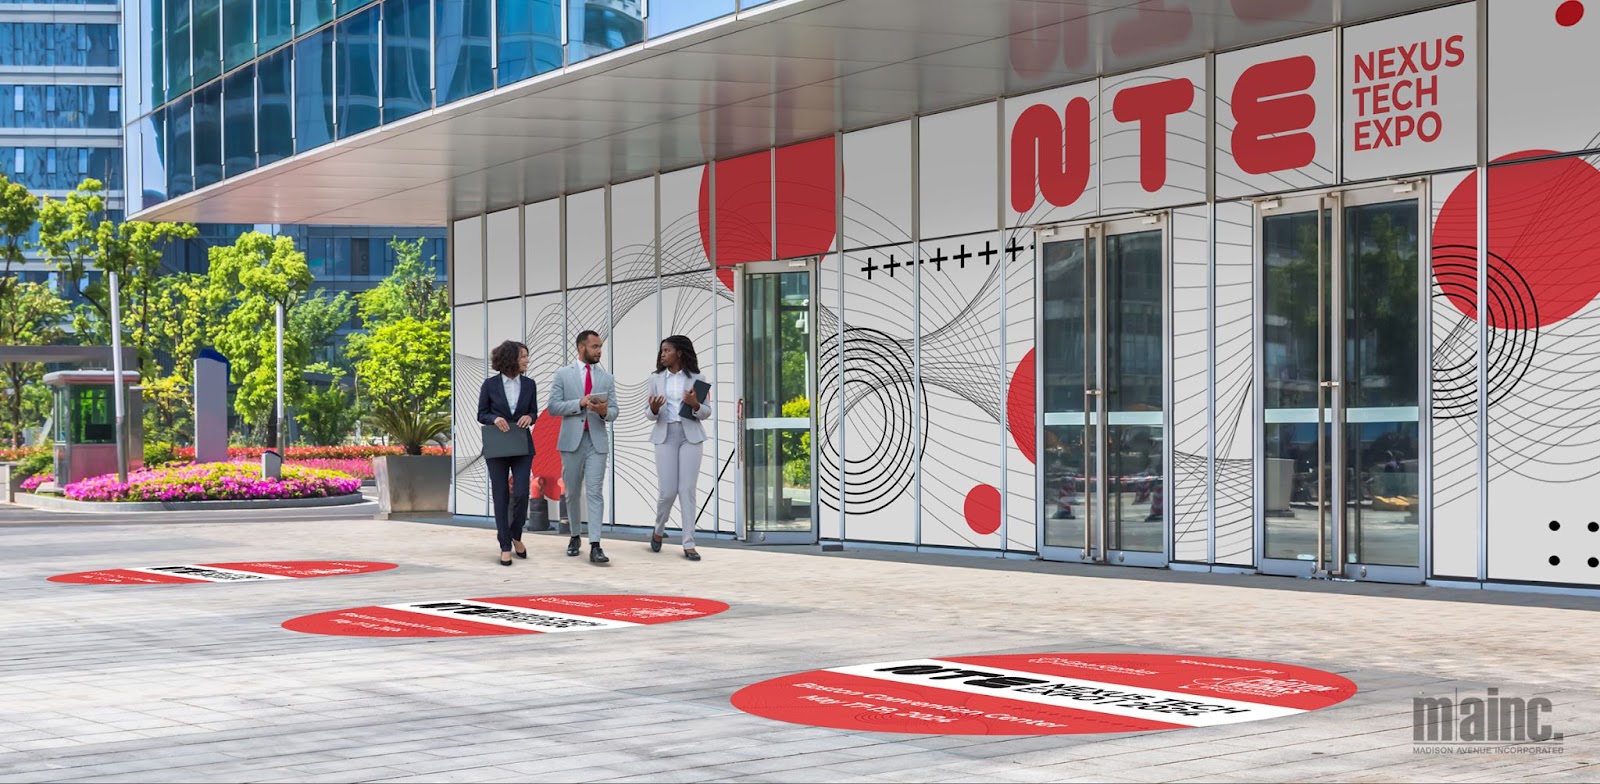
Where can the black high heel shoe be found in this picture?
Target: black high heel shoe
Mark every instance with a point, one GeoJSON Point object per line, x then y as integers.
{"type": "Point", "coordinates": [504, 562]}
{"type": "Point", "coordinates": [523, 553]}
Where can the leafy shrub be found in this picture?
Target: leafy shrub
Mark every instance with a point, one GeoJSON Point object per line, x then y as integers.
{"type": "Point", "coordinates": [213, 482]}
{"type": "Point", "coordinates": [158, 454]}
{"type": "Point", "coordinates": [315, 452]}
{"type": "Point", "coordinates": [39, 460]}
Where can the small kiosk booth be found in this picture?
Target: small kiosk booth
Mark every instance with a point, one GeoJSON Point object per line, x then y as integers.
{"type": "Point", "coordinates": [86, 423]}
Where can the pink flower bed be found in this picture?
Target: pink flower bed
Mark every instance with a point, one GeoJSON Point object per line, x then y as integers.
{"type": "Point", "coordinates": [357, 467]}
{"type": "Point", "coordinates": [213, 482]}
{"type": "Point", "coordinates": [32, 483]}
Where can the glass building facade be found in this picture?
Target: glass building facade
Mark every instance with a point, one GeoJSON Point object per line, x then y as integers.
{"type": "Point", "coordinates": [218, 88]}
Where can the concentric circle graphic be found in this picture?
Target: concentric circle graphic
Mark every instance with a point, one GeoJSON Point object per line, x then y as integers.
{"type": "Point", "coordinates": [878, 385]}
{"type": "Point", "coordinates": [1511, 346]}
{"type": "Point", "coordinates": [1044, 694]}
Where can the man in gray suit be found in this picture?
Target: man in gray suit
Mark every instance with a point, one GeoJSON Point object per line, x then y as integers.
{"type": "Point", "coordinates": [583, 395]}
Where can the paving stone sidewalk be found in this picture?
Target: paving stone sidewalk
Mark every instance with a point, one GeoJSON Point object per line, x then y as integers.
{"type": "Point", "coordinates": [201, 683]}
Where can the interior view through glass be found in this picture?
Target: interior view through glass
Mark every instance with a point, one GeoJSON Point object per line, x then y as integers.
{"type": "Point", "coordinates": [777, 360]}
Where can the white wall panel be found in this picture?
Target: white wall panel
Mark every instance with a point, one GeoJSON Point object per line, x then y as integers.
{"type": "Point", "coordinates": [1143, 167]}
{"type": "Point", "coordinates": [683, 245]}
{"type": "Point", "coordinates": [633, 230]}
{"type": "Point", "coordinates": [1535, 55]}
{"type": "Point", "coordinates": [542, 253]}
{"type": "Point", "coordinates": [504, 255]}
{"type": "Point", "coordinates": [1020, 282]}
{"type": "Point", "coordinates": [1191, 364]}
{"type": "Point", "coordinates": [586, 239]}
{"type": "Point", "coordinates": [471, 358]}
{"type": "Point", "coordinates": [1052, 155]}
{"type": "Point", "coordinates": [466, 261]}
{"type": "Point", "coordinates": [1234, 398]}
{"type": "Point", "coordinates": [959, 170]}
{"type": "Point", "coordinates": [1454, 354]}
{"type": "Point", "coordinates": [877, 186]}
{"type": "Point", "coordinates": [1276, 116]}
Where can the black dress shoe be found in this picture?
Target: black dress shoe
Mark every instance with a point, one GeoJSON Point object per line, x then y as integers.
{"type": "Point", "coordinates": [504, 562]}
{"type": "Point", "coordinates": [597, 555]}
{"type": "Point", "coordinates": [523, 553]}
{"type": "Point", "coordinates": [655, 543]}
{"type": "Point", "coordinates": [574, 544]}
{"type": "Point", "coordinates": [691, 555]}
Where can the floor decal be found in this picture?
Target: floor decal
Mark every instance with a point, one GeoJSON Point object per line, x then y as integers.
{"type": "Point", "coordinates": [505, 615]}
{"type": "Point", "coordinates": [250, 571]}
{"type": "Point", "coordinates": [1044, 694]}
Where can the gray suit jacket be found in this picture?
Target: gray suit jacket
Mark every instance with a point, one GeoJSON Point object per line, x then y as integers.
{"type": "Point", "coordinates": [693, 431]}
{"type": "Point", "coordinates": [566, 391]}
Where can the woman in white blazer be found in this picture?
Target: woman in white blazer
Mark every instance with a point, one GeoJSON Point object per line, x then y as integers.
{"type": "Point", "coordinates": [678, 436]}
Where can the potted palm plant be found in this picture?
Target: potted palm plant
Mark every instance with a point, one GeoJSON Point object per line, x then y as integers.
{"type": "Point", "coordinates": [412, 482]}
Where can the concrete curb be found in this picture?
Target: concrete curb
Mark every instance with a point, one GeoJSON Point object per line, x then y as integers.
{"type": "Point", "coordinates": [68, 505]}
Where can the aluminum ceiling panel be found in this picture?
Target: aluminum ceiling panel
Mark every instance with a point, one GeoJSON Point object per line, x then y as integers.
{"type": "Point", "coordinates": [781, 73]}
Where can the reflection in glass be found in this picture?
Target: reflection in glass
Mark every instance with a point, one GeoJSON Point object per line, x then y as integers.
{"type": "Point", "coordinates": [207, 40]}
{"type": "Point", "coordinates": [313, 90]}
{"type": "Point", "coordinates": [464, 48]}
{"type": "Point", "coordinates": [342, 7]}
{"type": "Point", "coordinates": [406, 68]}
{"type": "Point", "coordinates": [208, 135]}
{"type": "Point", "coordinates": [152, 91]}
{"type": "Point", "coordinates": [1381, 391]}
{"type": "Point", "coordinates": [1136, 434]}
{"type": "Point", "coordinates": [530, 39]}
{"type": "Point", "coordinates": [595, 27]}
{"type": "Point", "coordinates": [778, 360]}
{"type": "Point", "coordinates": [239, 121]}
{"type": "Point", "coordinates": [177, 48]}
{"type": "Point", "coordinates": [1061, 346]}
{"type": "Point", "coordinates": [153, 157]}
{"type": "Point", "coordinates": [1292, 338]}
{"type": "Point", "coordinates": [311, 14]}
{"type": "Point", "coordinates": [1379, 385]}
{"type": "Point", "coordinates": [180, 173]}
{"type": "Point", "coordinates": [274, 24]}
{"type": "Point", "coordinates": [238, 32]}
{"type": "Point", "coordinates": [275, 114]}
{"type": "Point", "coordinates": [668, 16]}
{"type": "Point", "coordinates": [357, 72]}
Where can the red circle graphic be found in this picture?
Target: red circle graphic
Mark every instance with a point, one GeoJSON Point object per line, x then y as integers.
{"type": "Point", "coordinates": [1544, 231]}
{"type": "Point", "coordinates": [1570, 13]}
{"type": "Point", "coordinates": [504, 615]}
{"type": "Point", "coordinates": [546, 457]}
{"type": "Point", "coordinates": [234, 572]}
{"type": "Point", "coordinates": [1019, 406]}
{"type": "Point", "coordinates": [982, 509]}
{"type": "Point", "coordinates": [1044, 694]}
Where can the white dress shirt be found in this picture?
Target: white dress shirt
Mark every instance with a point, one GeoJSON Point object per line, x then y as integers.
{"type": "Point", "coordinates": [513, 387]}
{"type": "Point", "coordinates": [673, 387]}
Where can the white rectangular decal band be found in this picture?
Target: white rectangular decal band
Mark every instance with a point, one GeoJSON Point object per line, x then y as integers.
{"type": "Point", "coordinates": [210, 574]}
{"type": "Point", "coordinates": [509, 616]}
{"type": "Point", "coordinates": [1127, 701]}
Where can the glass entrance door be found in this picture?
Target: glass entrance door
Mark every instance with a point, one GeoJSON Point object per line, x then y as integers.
{"type": "Point", "coordinates": [1103, 360]}
{"type": "Point", "coordinates": [1341, 367]}
{"type": "Point", "coordinates": [777, 382]}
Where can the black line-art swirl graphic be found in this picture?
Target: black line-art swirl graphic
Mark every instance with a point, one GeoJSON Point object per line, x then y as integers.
{"type": "Point", "coordinates": [1512, 345]}
{"type": "Point", "coordinates": [878, 374]}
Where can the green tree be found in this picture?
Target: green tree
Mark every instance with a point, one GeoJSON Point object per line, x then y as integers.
{"type": "Point", "coordinates": [33, 316]}
{"type": "Point", "coordinates": [407, 363]}
{"type": "Point", "coordinates": [80, 239]}
{"type": "Point", "coordinates": [30, 314]}
{"type": "Point", "coordinates": [249, 279]}
{"type": "Point", "coordinates": [317, 318]}
{"type": "Point", "coordinates": [327, 416]}
{"type": "Point", "coordinates": [411, 290]}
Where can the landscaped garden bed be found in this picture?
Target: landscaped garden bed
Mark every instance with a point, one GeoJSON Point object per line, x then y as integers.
{"type": "Point", "coordinates": [214, 482]}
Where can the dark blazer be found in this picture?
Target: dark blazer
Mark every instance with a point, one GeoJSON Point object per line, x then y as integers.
{"type": "Point", "coordinates": [492, 403]}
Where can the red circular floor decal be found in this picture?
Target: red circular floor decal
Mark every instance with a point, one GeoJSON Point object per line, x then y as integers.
{"type": "Point", "coordinates": [1044, 694]}
{"type": "Point", "coordinates": [243, 571]}
{"type": "Point", "coordinates": [504, 615]}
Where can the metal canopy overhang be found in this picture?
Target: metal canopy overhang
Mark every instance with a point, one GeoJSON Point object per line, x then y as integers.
{"type": "Point", "coordinates": [777, 74]}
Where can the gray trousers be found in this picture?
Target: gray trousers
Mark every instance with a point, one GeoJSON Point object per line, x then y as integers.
{"type": "Point", "coordinates": [677, 473]}
{"type": "Point", "coordinates": [583, 469]}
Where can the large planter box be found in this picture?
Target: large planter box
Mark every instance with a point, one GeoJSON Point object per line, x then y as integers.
{"type": "Point", "coordinates": [412, 483]}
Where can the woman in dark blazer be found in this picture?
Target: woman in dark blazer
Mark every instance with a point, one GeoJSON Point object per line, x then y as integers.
{"type": "Point", "coordinates": [509, 399]}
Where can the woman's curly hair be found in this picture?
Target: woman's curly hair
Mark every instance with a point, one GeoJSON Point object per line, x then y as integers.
{"type": "Point", "coordinates": [504, 358]}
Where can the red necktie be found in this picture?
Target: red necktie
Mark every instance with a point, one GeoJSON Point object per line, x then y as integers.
{"type": "Point", "coordinates": [588, 387]}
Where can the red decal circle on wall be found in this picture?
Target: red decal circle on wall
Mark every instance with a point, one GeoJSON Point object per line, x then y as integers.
{"type": "Point", "coordinates": [1544, 239]}
{"type": "Point", "coordinates": [1569, 13]}
{"type": "Point", "coordinates": [235, 572]}
{"type": "Point", "coordinates": [1044, 694]}
{"type": "Point", "coordinates": [982, 509]}
{"type": "Point", "coordinates": [1019, 406]}
{"type": "Point", "coordinates": [504, 615]}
